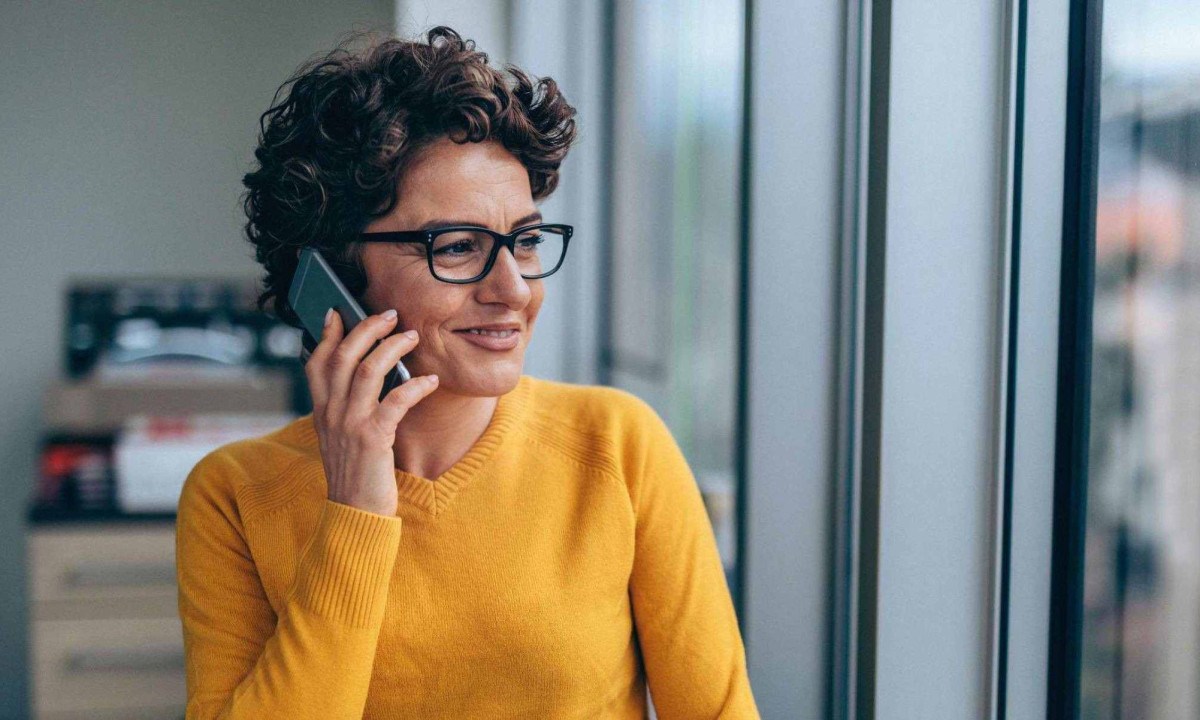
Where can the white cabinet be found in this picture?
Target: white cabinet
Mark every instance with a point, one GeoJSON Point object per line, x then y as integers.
{"type": "Point", "coordinates": [105, 638]}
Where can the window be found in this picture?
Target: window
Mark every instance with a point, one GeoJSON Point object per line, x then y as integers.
{"type": "Point", "coordinates": [672, 327]}
{"type": "Point", "coordinates": [1141, 594]}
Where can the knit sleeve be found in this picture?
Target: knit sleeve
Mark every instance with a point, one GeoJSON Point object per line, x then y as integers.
{"type": "Point", "coordinates": [312, 660]}
{"type": "Point", "coordinates": [686, 624]}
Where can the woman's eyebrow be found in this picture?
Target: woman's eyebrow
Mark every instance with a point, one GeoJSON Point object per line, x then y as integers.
{"type": "Point", "coordinates": [535, 216]}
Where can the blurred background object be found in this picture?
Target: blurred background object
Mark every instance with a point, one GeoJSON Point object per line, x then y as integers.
{"type": "Point", "coordinates": [151, 449]}
{"type": "Point", "coordinates": [157, 373]}
{"type": "Point", "coordinates": [1141, 632]}
{"type": "Point", "coordinates": [112, 324]}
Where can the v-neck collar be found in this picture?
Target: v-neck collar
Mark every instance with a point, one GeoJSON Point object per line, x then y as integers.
{"type": "Point", "coordinates": [434, 496]}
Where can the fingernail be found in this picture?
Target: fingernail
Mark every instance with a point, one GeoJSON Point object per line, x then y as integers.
{"type": "Point", "coordinates": [390, 314]}
{"type": "Point", "coordinates": [328, 316]}
{"type": "Point", "coordinates": [412, 334]}
{"type": "Point", "coordinates": [433, 379]}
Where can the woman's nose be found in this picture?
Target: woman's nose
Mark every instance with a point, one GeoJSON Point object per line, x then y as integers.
{"type": "Point", "coordinates": [504, 280]}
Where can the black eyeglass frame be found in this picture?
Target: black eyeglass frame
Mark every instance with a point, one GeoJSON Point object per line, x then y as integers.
{"type": "Point", "coordinates": [508, 240]}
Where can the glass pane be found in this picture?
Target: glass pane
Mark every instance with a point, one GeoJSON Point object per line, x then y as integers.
{"type": "Point", "coordinates": [461, 254]}
{"type": "Point", "coordinates": [674, 291]}
{"type": "Point", "coordinates": [1141, 656]}
{"type": "Point", "coordinates": [539, 251]}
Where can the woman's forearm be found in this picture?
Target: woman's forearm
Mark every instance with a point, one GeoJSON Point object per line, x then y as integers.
{"type": "Point", "coordinates": [317, 660]}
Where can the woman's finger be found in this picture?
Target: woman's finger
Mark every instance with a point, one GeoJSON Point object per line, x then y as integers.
{"type": "Point", "coordinates": [314, 369]}
{"type": "Point", "coordinates": [344, 359]}
{"type": "Point", "coordinates": [369, 375]}
{"type": "Point", "coordinates": [397, 403]}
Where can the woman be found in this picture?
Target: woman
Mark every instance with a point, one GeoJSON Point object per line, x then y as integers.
{"type": "Point", "coordinates": [478, 543]}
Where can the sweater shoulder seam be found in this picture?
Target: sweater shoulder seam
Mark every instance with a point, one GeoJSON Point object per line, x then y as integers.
{"type": "Point", "coordinates": [270, 508]}
{"type": "Point", "coordinates": [607, 473]}
{"type": "Point", "coordinates": [607, 460]}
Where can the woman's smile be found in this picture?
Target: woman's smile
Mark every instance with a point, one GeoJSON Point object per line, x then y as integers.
{"type": "Point", "coordinates": [492, 340]}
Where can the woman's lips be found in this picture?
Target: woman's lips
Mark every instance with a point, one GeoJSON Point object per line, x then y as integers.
{"type": "Point", "coordinates": [492, 343]}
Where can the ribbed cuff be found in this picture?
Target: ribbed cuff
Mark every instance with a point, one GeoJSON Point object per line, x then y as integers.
{"type": "Point", "coordinates": [346, 568]}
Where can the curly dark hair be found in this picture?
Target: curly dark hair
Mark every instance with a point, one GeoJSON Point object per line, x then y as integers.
{"type": "Point", "coordinates": [330, 154]}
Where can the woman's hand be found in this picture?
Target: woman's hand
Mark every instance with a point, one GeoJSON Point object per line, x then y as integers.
{"type": "Point", "coordinates": [357, 430]}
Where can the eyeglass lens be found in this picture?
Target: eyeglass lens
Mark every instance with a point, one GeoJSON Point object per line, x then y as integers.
{"type": "Point", "coordinates": [462, 254]}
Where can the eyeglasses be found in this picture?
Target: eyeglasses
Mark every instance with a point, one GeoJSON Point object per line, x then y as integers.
{"type": "Point", "coordinates": [466, 253]}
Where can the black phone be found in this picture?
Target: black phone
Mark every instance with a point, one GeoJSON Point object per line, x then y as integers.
{"type": "Point", "coordinates": [316, 288]}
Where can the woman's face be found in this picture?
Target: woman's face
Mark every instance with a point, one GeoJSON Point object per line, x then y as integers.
{"type": "Point", "coordinates": [475, 184]}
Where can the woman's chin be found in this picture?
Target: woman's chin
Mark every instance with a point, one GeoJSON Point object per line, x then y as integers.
{"type": "Point", "coordinates": [483, 381]}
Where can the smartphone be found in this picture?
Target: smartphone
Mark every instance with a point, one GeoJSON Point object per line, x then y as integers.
{"type": "Point", "coordinates": [316, 288]}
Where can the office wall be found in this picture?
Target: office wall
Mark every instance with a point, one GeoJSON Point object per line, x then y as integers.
{"type": "Point", "coordinates": [792, 285]}
{"type": "Point", "coordinates": [486, 22]}
{"type": "Point", "coordinates": [125, 131]}
{"type": "Point", "coordinates": [935, 426]}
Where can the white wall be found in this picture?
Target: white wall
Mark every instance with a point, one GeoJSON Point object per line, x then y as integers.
{"type": "Point", "coordinates": [795, 184]}
{"type": "Point", "coordinates": [125, 132]}
{"type": "Point", "coordinates": [943, 185]}
{"type": "Point", "coordinates": [486, 22]}
{"type": "Point", "coordinates": [947, 322]}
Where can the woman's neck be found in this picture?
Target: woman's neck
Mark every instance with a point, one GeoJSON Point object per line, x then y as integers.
{"type": "Point", "coordinates": [439, 430]}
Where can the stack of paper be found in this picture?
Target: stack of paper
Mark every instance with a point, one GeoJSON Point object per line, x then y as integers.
{"type": "Point", "coordinates": [155, 453]}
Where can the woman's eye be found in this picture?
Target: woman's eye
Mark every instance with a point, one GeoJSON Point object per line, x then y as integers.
{"type": "Point", "coordinates": [455, 249]}
{"type": "Point", "coordinates": [531, 240]}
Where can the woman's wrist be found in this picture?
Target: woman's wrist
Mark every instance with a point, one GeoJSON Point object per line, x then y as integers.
{"type": "Point", "coordinates": [372, 505]}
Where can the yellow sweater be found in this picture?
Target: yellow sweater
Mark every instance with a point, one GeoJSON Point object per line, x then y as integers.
{"type": "Point", "coordinates": [558, 567]}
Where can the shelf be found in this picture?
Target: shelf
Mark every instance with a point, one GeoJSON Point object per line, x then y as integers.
{"type": "Point", "coordinates": [56, 516]}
